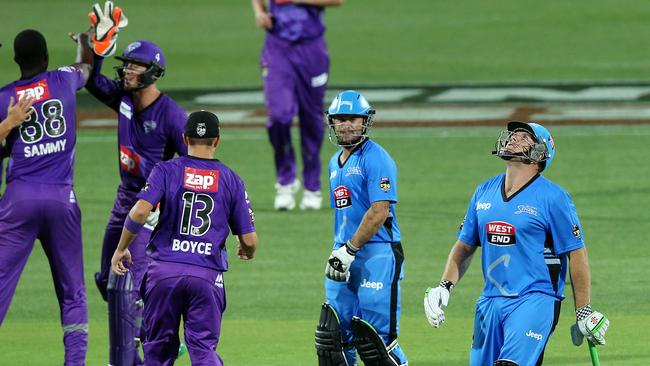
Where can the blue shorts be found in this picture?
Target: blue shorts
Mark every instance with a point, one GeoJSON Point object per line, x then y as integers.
{"type": "Point", "coordinates": [514, 329]}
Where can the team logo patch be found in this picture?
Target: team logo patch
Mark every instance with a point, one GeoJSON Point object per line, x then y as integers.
{"type": "Point", "coordinates": [133, 46]}
{"type": "Point", "coordinates": [500, 233]}
{"type": "Point", "coordinates": [342, 197]}
{"type": "Point", "coordinates": [149, 126]}
{"type": "Point", "coordinates": [576, 231]}
{"type": "Point", "coordinates": [526, 209]}
{"type": "Point", "coordinates": [353, 170]}
{"type": "Point", "coordinates": [384, 184]}
{"type": "Point", "coordinates": [204, 180]}
{"type": "Point", "coordinates": [200, 129]}
{"type": "Point", "coordinates": [129, 160]}
{"type": "Point", "coordinates": [38, 90]}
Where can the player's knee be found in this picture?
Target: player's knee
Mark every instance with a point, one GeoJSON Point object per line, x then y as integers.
{"type": "Point", "coordinates": [505, 363]}
{"type": "Point", "coordinates": [282, 116]}
{"type": "Point", "coordinates": [371, 346]}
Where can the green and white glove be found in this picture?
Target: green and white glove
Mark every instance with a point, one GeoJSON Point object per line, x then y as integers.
{"type": "Point", "coordinates": [592, 324]}
{"type": "Point", "coordinates": [339, 262]}
{"type": "Point", "coordinates": [434, 300]}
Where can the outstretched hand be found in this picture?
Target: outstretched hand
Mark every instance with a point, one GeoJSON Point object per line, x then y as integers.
{"type": "Point", "coordinates": [17, 113]}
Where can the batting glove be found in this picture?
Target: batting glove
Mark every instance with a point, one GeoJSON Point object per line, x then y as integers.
{"type": "Point", "coordinates": [339, 262]}
{"type": "Point", "coordinates": [592, 324]}
{"type": "Point", "coordinates": [152, 219]}
{"type": "Point", "coordinates": [106, 24]}
{"type": "Point", "coordinates": [434, 300]}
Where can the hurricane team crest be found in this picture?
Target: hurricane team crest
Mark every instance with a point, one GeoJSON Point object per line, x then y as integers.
{"type": "Point", "coordinates": [200, 129]}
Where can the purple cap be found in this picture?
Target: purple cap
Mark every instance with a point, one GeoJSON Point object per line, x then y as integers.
{"type": "Point", "coordinates": [143, 51]}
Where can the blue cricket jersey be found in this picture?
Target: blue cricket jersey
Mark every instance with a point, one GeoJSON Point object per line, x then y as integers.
{"type": "Point", "coordinates": [368, 175]}
{"type": "Point", "coordinates": [524, 238]}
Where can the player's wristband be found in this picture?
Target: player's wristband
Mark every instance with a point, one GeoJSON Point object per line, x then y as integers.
{"type": "Point", "coordinates": [351, 249]}
{"type": "Point", "coordinates": [447, 284]}
{"type": "Point", "coordinates": [583, 312]}
{"type": "Point", "coordinates": [132, 226]}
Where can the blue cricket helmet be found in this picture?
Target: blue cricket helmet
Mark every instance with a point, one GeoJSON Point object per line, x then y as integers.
{"type": "Point", "coordinates": [350, 103]}
{"type": "Point", "coordinates": [544, 151]}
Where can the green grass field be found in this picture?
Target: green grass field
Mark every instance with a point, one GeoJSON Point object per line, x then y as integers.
{"type": "Point", "coordinates": [216, 43]}
{"type": "Point", "coordinates": [273, 301]}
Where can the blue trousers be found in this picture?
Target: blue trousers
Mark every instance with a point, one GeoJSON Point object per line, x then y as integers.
{"type": "Point", "coordinates": [372, 293]}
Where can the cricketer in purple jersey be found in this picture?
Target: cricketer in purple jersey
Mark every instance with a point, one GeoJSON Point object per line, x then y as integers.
{"type": "Point", "coordinates": [39, 201]}
{"type": "Point", "coordinates": [295, 66]}
{"type": "Point", "coordinates": [150, 129]}
{"type": "Point", "coordinates": [201, 202]}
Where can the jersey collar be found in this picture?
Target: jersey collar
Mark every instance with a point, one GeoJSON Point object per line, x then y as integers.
{"type": "Point", "coordinates": [503, 188]}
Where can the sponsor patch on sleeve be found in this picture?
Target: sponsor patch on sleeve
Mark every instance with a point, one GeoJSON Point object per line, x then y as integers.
{"type": "Point", "coordinates": [576, 232]}
{"type": "Point", "coordinates": [384, 184]}
{"type": "Point", "coordinates": [204, 180]}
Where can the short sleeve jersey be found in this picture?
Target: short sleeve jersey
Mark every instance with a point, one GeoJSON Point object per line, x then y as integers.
{"type": "Point", "coordinates": [368, 175]}
{"type": "Point", "coordinates": [524, 238]}
{"type": "Point", "coordinates": [296, 22]}
{"type": "Point", "coordinates": [42, 149]}
{"type": "Point", "coordinates": [201, 202]}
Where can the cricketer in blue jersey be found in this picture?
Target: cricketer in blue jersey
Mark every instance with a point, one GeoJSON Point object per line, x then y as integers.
{"type": "Point", "coordinates": [528, 229]}
{"type": "Point", "coordinates": [362, 288]}
{"type": "Point", "coordinates": [202, 201]}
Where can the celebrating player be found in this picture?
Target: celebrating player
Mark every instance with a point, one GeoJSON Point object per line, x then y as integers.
{"type": "Point", "coordinates": [362, 287]}
{"type": "Point", "coordinates": [203, 200]}
{"type": "Point", "coordinates": [39, 202]}
{"type": "Point", "coordinates": [150, 129]}
{"type": "Point", "coordinates": [295, 66]}
{"type": "Point", "coordinates": [527, 227]}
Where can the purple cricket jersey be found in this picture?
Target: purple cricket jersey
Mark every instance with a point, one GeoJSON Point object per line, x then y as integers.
{"type": "Point", "coordinates": [296, 22]}
{"type": "Point", "coordinates": [201, 201]}
{"type": "Point", "coordinates": [144, 137]}
{"type": "Point", "coordinates": [42, 148]}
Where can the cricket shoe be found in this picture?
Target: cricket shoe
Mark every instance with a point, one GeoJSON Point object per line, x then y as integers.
{"type": "Point", "coordinates": [311, 200]}
{"type": "Point", "coordinates": [284, 196]}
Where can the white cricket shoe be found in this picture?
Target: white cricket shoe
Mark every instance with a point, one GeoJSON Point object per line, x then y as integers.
{"type": "Point", "coordinates": [311, 200]}
{"type": "Point", "coordinates": [284, 199]}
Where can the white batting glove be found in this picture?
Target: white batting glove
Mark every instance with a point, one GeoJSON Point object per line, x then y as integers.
{"type": "Point", "coordinates": [592, 324]}
{"type": "Point", "coordinates": [152, 219]}
{"type": "Point", "coordinates": [339, 262]}
{"type": "Point", "coordinates": [434, 300]}
{"type": "Point", "coordinates": [106, 24]}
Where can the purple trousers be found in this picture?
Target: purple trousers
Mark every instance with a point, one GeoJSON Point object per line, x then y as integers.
{"type": "Point", "coordinates": [123, 203]}
{"type": "Point", "coordinates": [49, 213]}
{"type": "Point", "coordinates": [195, 294]}
{"type": "Point", "coordinates": [295, 77]}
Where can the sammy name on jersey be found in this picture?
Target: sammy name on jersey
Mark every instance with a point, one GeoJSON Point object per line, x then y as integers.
{"type": "Point", "coordinates": [190, 246]}
{"type": "Point", "coordinates": [45, 148]}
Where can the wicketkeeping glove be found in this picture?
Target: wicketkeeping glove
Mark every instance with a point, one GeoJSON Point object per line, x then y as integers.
{"type": "Point", "coordinates": [106, 24]}
{"type": "Point", "coordinates": [592, 324]}
{"type": "Point", "coordinates": [339, 262]}
{"type": "Point", "coordinates": [434, 300]}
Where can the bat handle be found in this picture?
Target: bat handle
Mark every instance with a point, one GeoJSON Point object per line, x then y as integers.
{"type": "Point", "coordinates": [594, 354]}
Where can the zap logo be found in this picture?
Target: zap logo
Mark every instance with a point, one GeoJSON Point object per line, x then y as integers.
{"type": "Point", "coordinates": [500, 233]}
{"type": "Point", "coordinates": [204, 180]}
{"type": "Point", "coordinates": [129, 160]}
{"type": "Point", "coordinates": [342, 197]}
{"type": "Point", "coordinates": [38, 90]}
